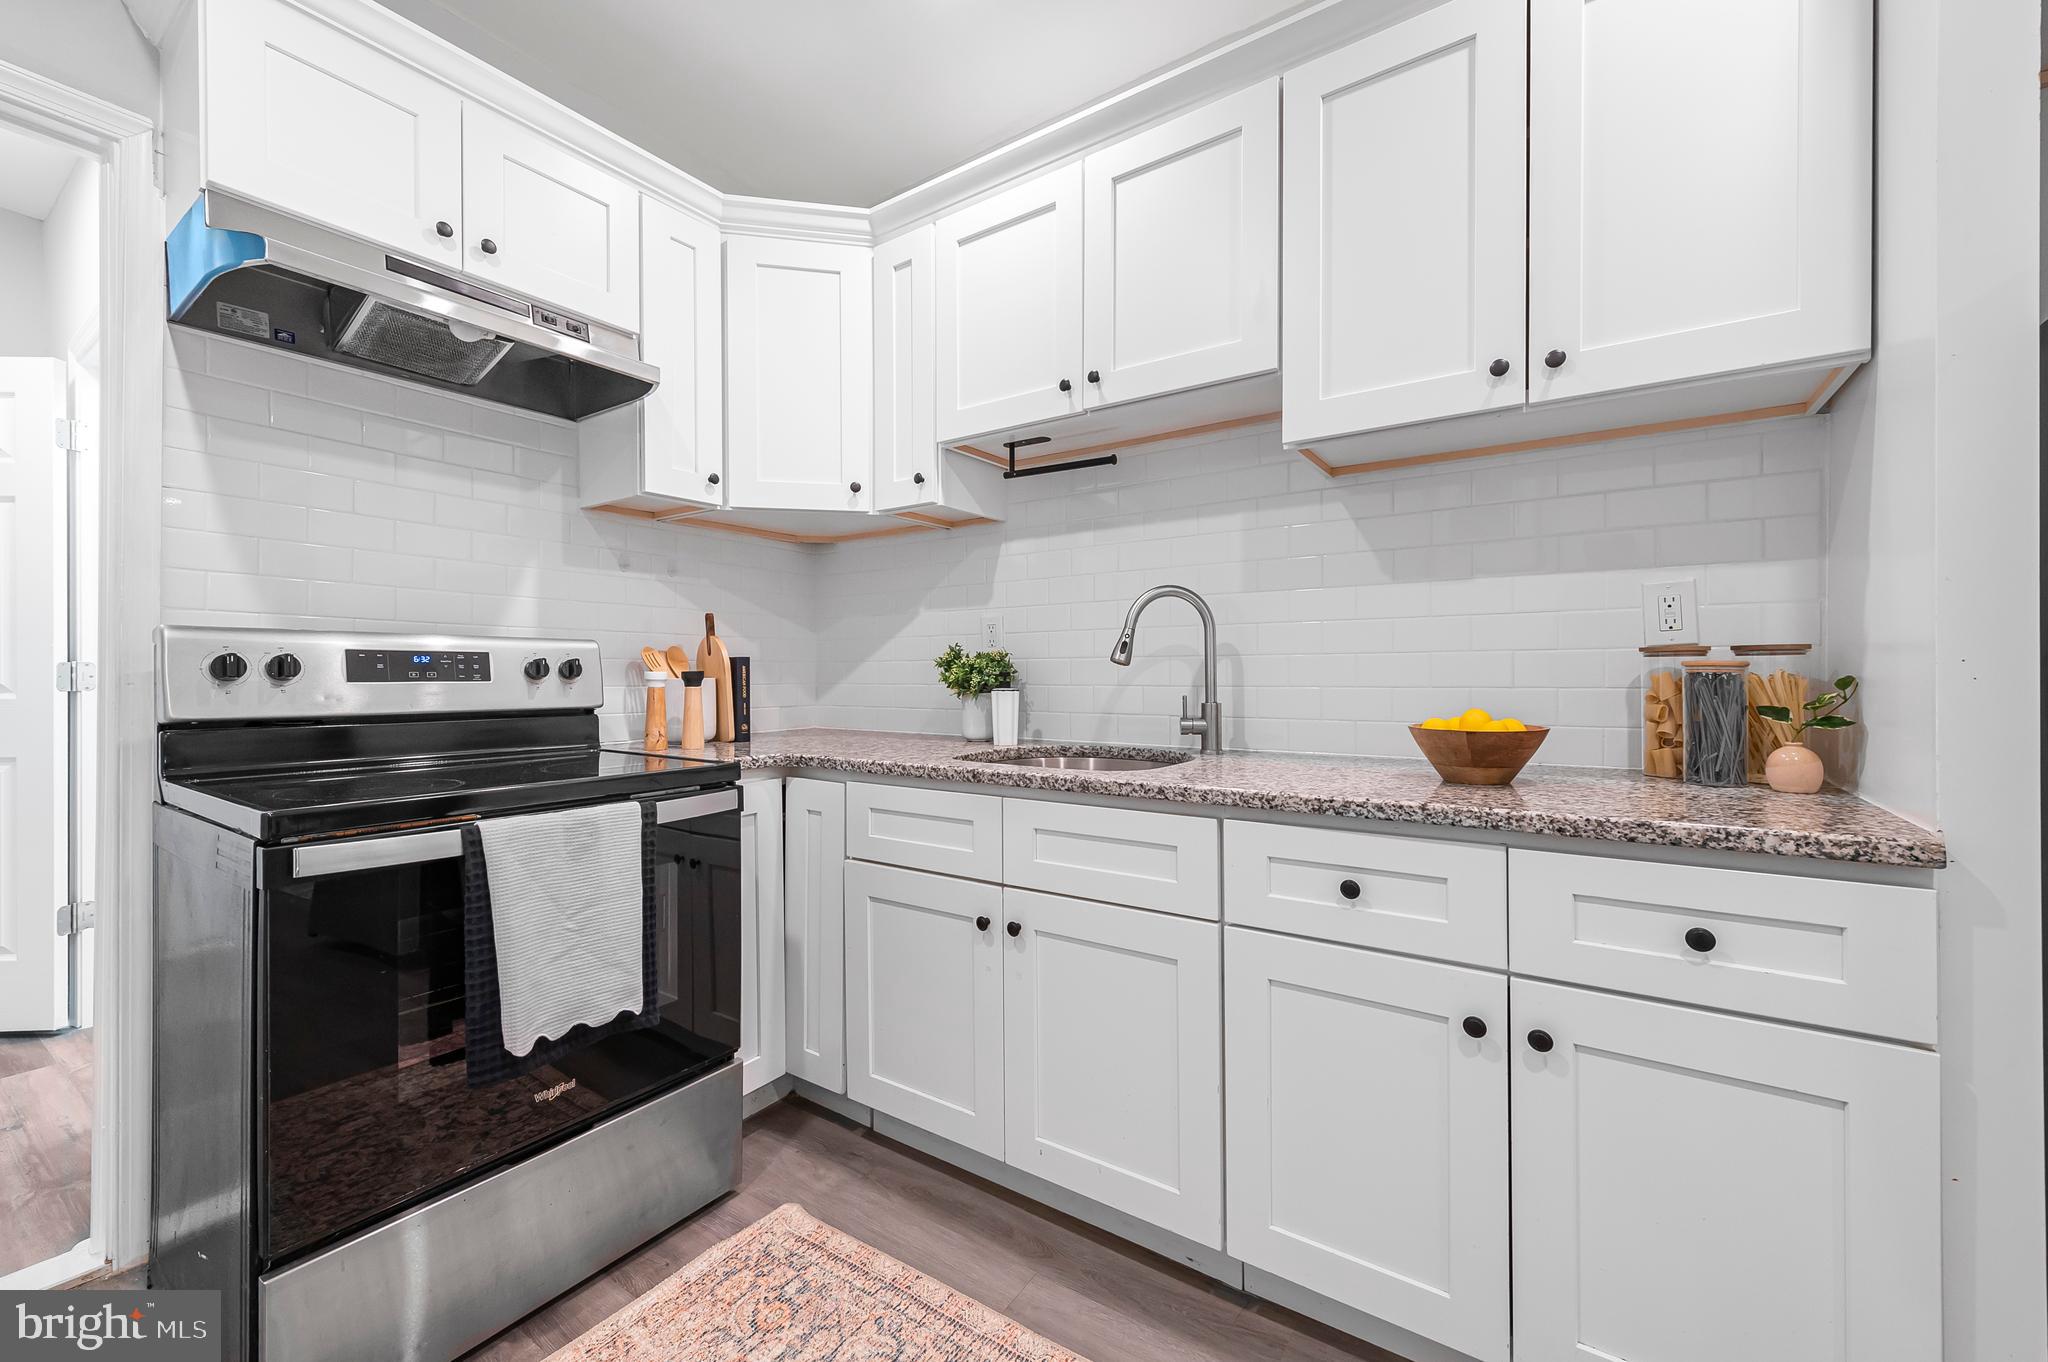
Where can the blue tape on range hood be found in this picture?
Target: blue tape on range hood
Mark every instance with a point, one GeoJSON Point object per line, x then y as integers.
{"type": "Point", "coordinates": [195, 255]}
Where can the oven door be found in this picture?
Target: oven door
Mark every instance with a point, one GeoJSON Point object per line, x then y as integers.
{"type": "Point", "coordinates": [364, 1099]}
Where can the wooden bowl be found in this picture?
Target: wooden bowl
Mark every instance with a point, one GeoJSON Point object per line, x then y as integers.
{"type": "Point", "coordinates": [1463, 758]}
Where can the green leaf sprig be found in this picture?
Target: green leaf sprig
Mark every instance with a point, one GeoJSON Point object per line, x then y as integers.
{"type": "Point", "coordinates": [969, 674]}
{"type": "Point", "coordinates": [1823, 711]}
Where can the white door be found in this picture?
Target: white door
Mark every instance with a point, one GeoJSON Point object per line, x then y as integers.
{"type": "Point", "coordinates": [1696, 217]}
{"type": "Point", "coordinates": [33, 767]}
{"type": "Point", "coordinates": [302, 117]}
{"type": "Point", "coordinates": [1009, 299]}
{"type": "Point", "coordinates": [763, 1058]}
{"type": "Point", "coordinates": [1368, 1132]}
{"type": "Point", "coordinates": [1183, 251]}
{"type": "Point", "coordinates": [814, 930]}
{"type": "Point", "coordinates": [924, 1001]}
{"type": "Point", "coordinates": [1694, 1187]}
{"type": "Point", "coordinates": [540, 220]}
{"type": "Point", "coordinates": [799, 374]}
{"type": "Point", "coordinates": [1403, 210]}
{"type": "Point", "coordinates": [1113, 1034]}
{"type": "Point", "coordinates": [680, 321]}
{"type": "Point", "coordinates": [906, 444]}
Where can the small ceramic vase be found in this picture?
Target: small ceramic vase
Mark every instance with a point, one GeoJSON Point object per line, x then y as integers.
{"type": "Point", "coordinates": [975, 724]}
{"type": "Point", "coordinates": [1794, 768]}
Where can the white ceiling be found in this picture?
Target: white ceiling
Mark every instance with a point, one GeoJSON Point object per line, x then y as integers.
{"type": "Point", "coordinates": [32, 173]}
{"type": "Point", "coordinates": [830, 101]}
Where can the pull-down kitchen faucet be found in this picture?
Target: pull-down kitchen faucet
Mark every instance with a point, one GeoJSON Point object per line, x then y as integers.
{"type": "Point", "coordinates": [1209, 722]}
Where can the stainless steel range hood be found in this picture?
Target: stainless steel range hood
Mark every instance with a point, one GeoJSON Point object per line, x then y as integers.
{"type": "Point", "coordinates": [239, 270]}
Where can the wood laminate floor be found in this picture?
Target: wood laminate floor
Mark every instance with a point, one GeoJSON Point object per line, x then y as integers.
{"type": "Point", "coordinates": [45, 1146]}
{"type": "Point", "coordinates": [1106, 1299]}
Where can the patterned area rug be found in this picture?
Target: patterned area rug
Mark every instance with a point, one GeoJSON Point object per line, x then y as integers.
{"type": "Point", "coordinates": [790, 1289]}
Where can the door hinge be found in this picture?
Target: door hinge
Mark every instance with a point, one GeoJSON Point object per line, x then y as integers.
{"type": "Point", "coordinates": [77, 677]}
{"type": "Point", "coordinates": [70, 435]}
{"type": "Point", "coordinates": [73, 918]}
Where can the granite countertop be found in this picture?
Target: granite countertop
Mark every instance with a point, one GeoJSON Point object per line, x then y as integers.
{"type": "Point", "coordinates": [1561, 801]}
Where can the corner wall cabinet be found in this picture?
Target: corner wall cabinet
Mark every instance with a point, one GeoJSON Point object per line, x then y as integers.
{"type": "Point", "coordinates": [1698, 233]}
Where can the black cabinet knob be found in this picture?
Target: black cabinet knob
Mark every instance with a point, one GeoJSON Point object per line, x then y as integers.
{"type": "Point", "coordinates": [536, 669]}
{"type": "Point", "coordinates": [1349, 889]}
{"type": "Point", "coordinates": [981, 924]}
{"type": "Point", "coordinates": [1540, 1042]}
{"type": "Point", "coordinates": [489, 246]}
{"type": "Point", "coordinates": [1498, 368]}
{"type": "Point", "coordinates": [853, 487]}
{"type": "Point", "coordinates": [1066, 385]}
{"type": "Point", "coordinates": [1014, 928]}
{"type": "Point", "coordinates": [917, 478]}
{"type": "Point", "coordinates": [712, 479]}
{"type": "Point", "coordinates": [571, 668]}
{"type": "Point", "coordinates": [444, 229]}
{"type": "Point", "coordinates": [283, 667]}
{"type": "Point", "coordinates": [1095, 375]}
{"type": "Point", "coordinates": [226, 667]}
{"type": "Point", "coordinates": [1554, 359]}
{"type": "Point", "coordinates": [1700, 939]}
{"type": "Point", "coordinates": [1475, 1027]}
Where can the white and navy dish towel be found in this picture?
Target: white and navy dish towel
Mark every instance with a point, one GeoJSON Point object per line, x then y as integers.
{"type": "Point", "coordinates": [558, 934]}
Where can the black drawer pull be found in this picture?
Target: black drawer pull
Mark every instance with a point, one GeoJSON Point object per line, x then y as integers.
{"type": "Point", "coordinates": [981, 924]}
{"type": "Point", "coordinates": [1475, 1027]}
{"type": "Point", "coordinates": [1540, 1042]}
{"type": "Point", "coordinates": [1701, 940]}
{"type": "Point", "coordinates": [1349, 889]}
{"type": "Point", "coordinates": [1015, 929]}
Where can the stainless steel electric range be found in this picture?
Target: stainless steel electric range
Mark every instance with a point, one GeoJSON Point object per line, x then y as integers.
{"type": "Point", "coordinates": [325, 1157]}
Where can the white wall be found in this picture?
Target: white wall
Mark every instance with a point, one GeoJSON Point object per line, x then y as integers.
{"type": "Point", "coordinates": [1345, 609]}
{"type": "Point", "coordinates": [24, 296]}
{"type": "Point", "coordinates": [90, 45]}
{"type": "Point", "coordinates": [301, 495]}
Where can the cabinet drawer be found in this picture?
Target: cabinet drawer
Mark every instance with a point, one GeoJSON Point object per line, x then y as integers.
{"type": "Point", "coordinates": [942, 831]}
{"type": "Point", "coordinates": [1446, 899]}
{"type": "Point", "coordinates": [1150, 860]}
{"type": "Point", "coordinates": [1836, 953]}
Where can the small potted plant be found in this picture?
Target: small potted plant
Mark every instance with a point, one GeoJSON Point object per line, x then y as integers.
{"type": "Point", "coordinates": [971, 676]}
{"type": "Point", "coordinates": [1795, 768]}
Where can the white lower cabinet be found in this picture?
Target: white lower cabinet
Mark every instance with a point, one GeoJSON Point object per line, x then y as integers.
{"type": "Point", "coordinates": [761, 1055]}
{"type": "Point", "coordinates": [924, 1001]}
{"type": "Point", "coordinates": [814, 930]}
{"type": "Point", "coordinates": [1368, 1132]}
{"type": "Point", "coordinates": [1696, 1187]}
{"type": "Point", "coordinates": [1113, 1071]}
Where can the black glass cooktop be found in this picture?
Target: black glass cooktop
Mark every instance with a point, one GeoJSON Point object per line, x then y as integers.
{"type": "Point", "coordinates": [274, 804]}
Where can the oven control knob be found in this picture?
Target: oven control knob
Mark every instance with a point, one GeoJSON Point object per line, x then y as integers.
{"type": "Point", "coordinates": [282, 668]}
{"type": "Point", "coordinates": [226, 667]}
{"type": "Point", "coordinates": [571, 668]}
{"type": "Point", "coordinates": [537, 669]}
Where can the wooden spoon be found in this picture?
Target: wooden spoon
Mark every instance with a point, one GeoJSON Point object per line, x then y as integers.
{"type": "Point", "coordinates": [655, 661]}
{"type": "Point", "coordinates": [678, 660]}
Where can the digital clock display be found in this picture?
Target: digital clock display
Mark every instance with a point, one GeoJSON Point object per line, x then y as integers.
{"type": "Point", "coordinates": [416, 664]}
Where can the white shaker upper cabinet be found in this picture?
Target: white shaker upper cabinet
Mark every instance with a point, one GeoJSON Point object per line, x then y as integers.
{"type": "Point", "coordinates": [540, 220]}
{"type": "Point", "coordinates": [1696, 217]}
{"type": "Point", "coordinates": [303, 118]}
{"type": "Point", "coordinates": [799, 374]}
{"type": "Point", "coordinates": [1009, 299]}
{"type": "Point", "coordinates": [1183, 251]}
{"type": "Point", "coordinates": [1696, 1187]}
{"type": "Point", "coordinates": [906, 449]}
{"type": "Point", "coordinates": [1404, 202]}
{"type": "Point", "coordinates": [684, 443]}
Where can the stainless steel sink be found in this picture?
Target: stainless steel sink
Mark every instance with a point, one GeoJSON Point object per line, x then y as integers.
{"type": "Point", "coordinates": [1068, 761]}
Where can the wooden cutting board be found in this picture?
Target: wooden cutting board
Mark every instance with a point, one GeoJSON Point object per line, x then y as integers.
{"type": "Point", "coordinates": [716, 664]}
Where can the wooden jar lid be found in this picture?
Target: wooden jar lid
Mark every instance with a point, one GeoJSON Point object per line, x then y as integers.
{"type": "Point", "coordinates": [1716, 665]}
{"type": "Point", "coordinates": [1770, 649]}
{"type": "Point", "coordinates": [1674, 650]}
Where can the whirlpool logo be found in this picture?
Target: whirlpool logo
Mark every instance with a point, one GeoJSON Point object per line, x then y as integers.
{"type": "Point", "coordinates": [164, 1326]}
{"type": "Point", "coordinates": [550, 1094]}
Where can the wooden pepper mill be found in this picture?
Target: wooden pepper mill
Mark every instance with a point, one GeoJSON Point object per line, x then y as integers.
{"type": "Point", "coordinates": [693, 709]}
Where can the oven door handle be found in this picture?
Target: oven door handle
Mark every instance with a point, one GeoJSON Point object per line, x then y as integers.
{"type": "Point", "coordinates": [371, 853]}
{"type": "Point", "coordinates": [668, 811]}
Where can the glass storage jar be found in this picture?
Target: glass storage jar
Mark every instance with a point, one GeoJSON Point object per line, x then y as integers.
{"type": "Point", "coordinates": [1716, 721]}
{"type": "Point", "coordinates": [1664, 707]}
{"type": "Point", "coordinates": [1777, 677]}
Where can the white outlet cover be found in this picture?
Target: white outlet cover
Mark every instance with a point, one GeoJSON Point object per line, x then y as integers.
{"type": "Point", "coordinates": [1688, 630]}
{"type": "Point", "coordinates": [991, 632]}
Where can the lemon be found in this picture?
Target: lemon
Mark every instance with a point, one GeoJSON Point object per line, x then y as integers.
{"type": "Point", "coordinates": [1438, 723]}
{"type": "Point", "coordinates": [1507, 726]}
{"type": "Point", "coordinates": [1474, 720]}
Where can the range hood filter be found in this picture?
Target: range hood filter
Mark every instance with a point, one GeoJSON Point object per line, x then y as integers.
{"type": "Point", "coordinates": [385, 333]}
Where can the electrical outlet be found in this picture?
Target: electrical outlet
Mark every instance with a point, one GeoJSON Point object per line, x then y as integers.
{"type": "Point", "coordinates": [1671, 612]}
{"type": "Point", "coordinates": [991, 632]}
